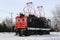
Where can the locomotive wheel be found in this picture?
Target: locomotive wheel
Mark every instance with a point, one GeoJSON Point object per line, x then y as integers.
{"type": "Point", "coordinates": [46, 32]}
{"type": "Point", "coordinates": [40, 32]}
{"type": "Point", "coordinates": [16, 33]}
{"type": "Point", "coordinates": [21, 32]}
{"type": "Point", "coordinates": [26, 33]}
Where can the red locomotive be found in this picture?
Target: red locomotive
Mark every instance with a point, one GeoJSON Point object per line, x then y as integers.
{"type": "Point", "coordinates": [27, 25]}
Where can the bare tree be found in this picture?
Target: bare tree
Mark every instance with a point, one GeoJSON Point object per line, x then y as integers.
{"type": "Point", "coordinates": [8, 24]}
{"type": "Point", "coordinates": [56, 19]}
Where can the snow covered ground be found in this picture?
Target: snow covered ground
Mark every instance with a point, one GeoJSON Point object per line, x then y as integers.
{"type": "Point", "coordinates": [11, 36]}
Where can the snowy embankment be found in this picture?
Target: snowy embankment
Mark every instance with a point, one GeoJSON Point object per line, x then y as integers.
{"type": "Point", "coordinates": [11, 36]}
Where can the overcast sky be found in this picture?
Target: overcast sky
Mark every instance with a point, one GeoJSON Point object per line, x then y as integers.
{"type": "Point", "coordinates": [16, 6]}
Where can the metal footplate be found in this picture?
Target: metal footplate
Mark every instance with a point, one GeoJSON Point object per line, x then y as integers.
{"type": "Point", "coordinates": [38, 28]}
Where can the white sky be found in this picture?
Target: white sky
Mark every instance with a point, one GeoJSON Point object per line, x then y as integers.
{"type": "Point", "coordinates": [16, 6]}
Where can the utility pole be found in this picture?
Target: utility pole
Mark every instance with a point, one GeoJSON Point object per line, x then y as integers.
{"type": "Point", "coordinates": [11, 20]}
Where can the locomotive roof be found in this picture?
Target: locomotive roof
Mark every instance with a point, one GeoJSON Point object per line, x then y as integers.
{"type": "Point", "coordinates": [20, 16]}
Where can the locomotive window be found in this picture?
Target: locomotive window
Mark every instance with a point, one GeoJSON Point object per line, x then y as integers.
{"type": "Point", "coordinates": [30, 20]}
{"type": "Point", "coordinates": [16, 20]}
{"type": "Point", "coordinates": [25, 19]}
{"type": "Point", "coordinates": [20, 19]}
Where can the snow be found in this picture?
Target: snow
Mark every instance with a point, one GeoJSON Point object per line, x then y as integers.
{"type": "Point", "coordinates": [11, 36]}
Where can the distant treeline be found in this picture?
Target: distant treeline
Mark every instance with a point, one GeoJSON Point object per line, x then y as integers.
{"type": "Point", "coordinates": [4, 28]}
